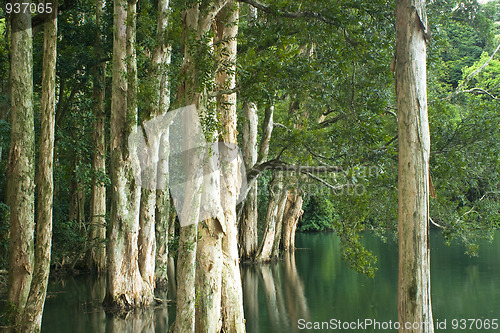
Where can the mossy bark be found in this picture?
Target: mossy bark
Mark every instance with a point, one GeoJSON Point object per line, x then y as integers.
{"type": "Point", "coordinates": [96, 257]}
{"type": "Point", "coordinates": [21, 166]}
{"type": "Point", "coordinates": [32, 317]}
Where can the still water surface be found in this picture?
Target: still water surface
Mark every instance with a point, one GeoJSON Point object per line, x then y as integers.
{"type": "Point", "coordinates": [314, 284]}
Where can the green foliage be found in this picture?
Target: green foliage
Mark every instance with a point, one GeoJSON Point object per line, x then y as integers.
{"type": "Point", "coordinates": [318, 215]}
{"type": "Point", "coordinates": [4, 235]}
{"type": "Point", "coordinates": [69, 241]}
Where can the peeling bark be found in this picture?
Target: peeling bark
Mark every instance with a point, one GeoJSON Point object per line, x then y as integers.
{"type": "Point", "coordinates": [233, 318]}
{"type": "Point", "coordinates": [414, 297]}
{"type": "Point", "coordinates": [126, 288]}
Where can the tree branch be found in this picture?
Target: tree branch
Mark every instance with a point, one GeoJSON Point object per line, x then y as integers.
{"type": "Point", "coordinates": [278, 165]}
{"type": "Point", "coordinates": [481, 91]}
{"type": "Point", "coordinates": [473, 74]}
{"type": "Point", "coordinates": [284, 13]}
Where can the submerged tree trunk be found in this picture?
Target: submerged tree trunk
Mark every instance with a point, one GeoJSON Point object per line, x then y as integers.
{"type": "Point", "coordinates": [21, 166]}
{"type": "Point", "coordinates": [32, 318]}
{"type": "Point", "coordinates": [248, 220]}
{"type": "Point", "coordinates": [414, 297]}
{"type": "Point", "coordinates": [96, 258]}
{"type": "Point", "coordinates": [125, 285]}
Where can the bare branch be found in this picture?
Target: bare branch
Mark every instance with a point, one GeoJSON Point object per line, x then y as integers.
{"type": "Point", "coordinates": [472, 75]}
{"type": "Point", "coordinates": [278, 165]}
{"type": "Point", "coordinates": [482, 91]}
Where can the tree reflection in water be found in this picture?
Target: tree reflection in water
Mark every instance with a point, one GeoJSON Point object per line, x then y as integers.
{"type": "Point", "coordinates": [285, 301]}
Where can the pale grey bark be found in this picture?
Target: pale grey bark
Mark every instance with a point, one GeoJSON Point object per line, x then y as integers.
{"type": "Point", "coordinates": [275, 194]}
{"type": "Point", "coordinates": [248, 219]}
{"type": "Point", "coordinates": [97, 230]}
{"type": "Point", "coordinates": [186, 261]}
{"type": "Point", "coordinates": [414, 297]}
{"type": "Point", "coordinates": [233, 317]}
{"type": "Point", "coordinates": [161, 61]}
{"type": "Point", "coordinates": [126, 288]}
{"type": "Point", "coordinates": [21, 166]}
{"type": "Point", "coordinates": [267, 130]}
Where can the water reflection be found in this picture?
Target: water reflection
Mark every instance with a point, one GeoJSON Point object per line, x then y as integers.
{"type": "Point", "coordinates": [74, 305]}
{"type": "Point", "coordinates": [312, 284]}
{"type": "Point", "coordinates": [283, 292]}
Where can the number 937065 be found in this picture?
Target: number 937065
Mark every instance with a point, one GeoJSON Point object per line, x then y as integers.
{"type": "Point", "coordinates": [29, 7]}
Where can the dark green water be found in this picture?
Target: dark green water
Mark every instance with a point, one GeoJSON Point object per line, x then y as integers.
{"type": "Point", "coordinates": [314, 285]}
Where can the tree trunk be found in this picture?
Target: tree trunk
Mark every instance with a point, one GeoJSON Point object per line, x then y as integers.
{"type": "Point", "coordinates": [290, 220]}
{"type": "Point", "coordinates": [32, 318]}
{"type": "Point", "coordinates": [279, 224]}
{"type": "Point", "coordinates": [233, 318]}
{"type": "Point", "coordinates": [96, 258]}
{"type": "Point", "coordinates": [266, 244]}
{"type": "Point", "coordinates": [125, 285]}
{"type": "Point", "coordinates": [189, 215]}
{"type": "Point", "coordinates": [267, 130]}
{"type": "Point", "coordinates": [414, 297]}
{"type": "Point", "coordinates": [158, 192]}
{"type": "Point", "coordinates": [21, 165]}
{"type": "Point", "coordinates": [249, 216]}
{"type": "Point", "coordinates": [161, 61]}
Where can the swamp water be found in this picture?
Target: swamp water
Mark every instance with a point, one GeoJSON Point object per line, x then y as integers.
{"type": "Point", "coordinates": [312, 285]}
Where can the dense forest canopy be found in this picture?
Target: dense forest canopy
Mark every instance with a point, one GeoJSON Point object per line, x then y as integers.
{"type": "Point", "coordinates": [314, 82]}
{"type": "Point", "coordinates": [345, 83]}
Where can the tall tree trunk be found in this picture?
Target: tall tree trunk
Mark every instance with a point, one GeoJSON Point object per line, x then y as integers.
{"type": "Point", "coordinates": [414, 297]}
{"type": "Point", "coordinates": [161, 60]}
{"type": "Point", "coordinates": [125, 285]}
{"type": "Point", "coordinates": [249, 216]}
{"type": "Point", "coordinates": [189, 94]}
{"type": "Point", "coordinates": [155, 200]}
{"type": "Point", "coordinates": [96, 259]}
{"type": "Point", "coordinates": [232, 293]}
{"type": "Point", "coordinates": [21, 165]}
{"type": "Point", "coordinates": [32, 318]}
